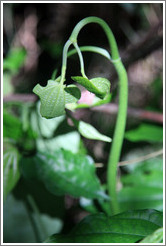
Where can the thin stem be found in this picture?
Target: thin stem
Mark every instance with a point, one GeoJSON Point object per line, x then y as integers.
{"type": "Point", "coordinates": [142, 158]}
{"type": "Point", "coordinates": [81, 59]}
{"type": "Point", "coordinates": [94, 49]}
{"type": "Point", "coordinates": [122, 112]}
{"type": "Point", "coordinates": [106, 28]}
{"type": "Point", "coordinates": [117, 142]}
{"type": "Point", "coordinates": [64, 61]}
{"type": "Point", "coordinates": [40, 225]}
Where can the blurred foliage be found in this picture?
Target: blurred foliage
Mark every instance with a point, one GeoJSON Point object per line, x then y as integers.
{"type": "Point", "coordinates": [14, 60]}
{"type": "Point", "coordinates": [145, 132]}
{"type": "Point", "coordinates": [11, 172]}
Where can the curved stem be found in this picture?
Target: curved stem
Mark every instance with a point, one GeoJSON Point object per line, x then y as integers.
{"type": "Point", "coordinates": [107, 30]}
{"type": "Point", "coordinates": [64, 61]}
{"type": "Point", "coordinates": [122, 112]}
{"type": "Point", "coordinates": [117, 142]}
{"type": "Point", "coordinates": [94, 49]}
{"type": "Point", "coordinates": [81, 59]}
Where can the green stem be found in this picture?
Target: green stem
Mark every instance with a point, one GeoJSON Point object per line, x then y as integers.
{"type": "Point", "coordinates": [64, 61]}
{"type": "Point", "coordinates": [94, 49]}
{"type": "Point", "coordinates": [81, 59]}
{"type": "Point", "coordinates": [107, 30]}
{"type": "Point", "coordinates": [122, 112]}
{"type": "Point", "coordinates": [117, 142]}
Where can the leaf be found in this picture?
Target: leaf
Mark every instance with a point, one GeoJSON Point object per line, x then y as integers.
{"type": "Point", "coordinates": [14, 59]}
{"type": "Point", "coordinates": [69, 141]}
{"type": "Point", "coordinates": [88, 131]}
{"type": "Point", "coordinates": [52, 99]}
{"type": "Point", "coordinates": [99, 86]}
{"type": "Point", "coordinates": [8, 87]}
{"type": "Point", "coordinates": [18, 222]}
{"type": "Point", "coordinates": [11, 172]}
{"type": "Point", "coordinates": [128, 227]}
{"type": "Point", "coordinates": [88, 205]}
{"type": "Point", "coordinates": [140, 197]}
{"type": "Point", "coordinates": [44, 127]}
{"type": "Point", "coordinates": [155, 237]}
{"type": "Point", "coordinates": [143, 187]}
{"type": "Point", "coordinates": [12, 127]}
{"type": "Point", "coordinates": [145, 132]}
{"type": "Point", "coordinates": [72, 94]}
{"type": "Point", "coordinates": [63, 172]}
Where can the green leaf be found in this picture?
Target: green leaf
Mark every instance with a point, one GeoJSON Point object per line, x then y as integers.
{"type": "Point", "coordinates": [99, 86]}
{"type": "Point", "coordinates": [140, 197]}
{"type": "Point", "coordinates": [143, 187]}
{"type": "Point", "coordinates": [69, 141]}
{"type": "Point", "coordinates": [145, 132]}
{"type": "Point", "coordinates": [19, 222]}
{"type": "Point", "coordinates": [8, 87]}
{"type": "Point", "coordinates": [88, 205]}
{"type": "Point", "coordinates": [52, 99]}
{"type": "Point", "coordinates": [11, 172]}
{"type": "Point", "coordinates": [12, 127]}
{"type": "Point", "coordinates": [128, 227]}
{"type": "Point", "coordinates": [63, 172]}
{"type": "Point", "coordinates": [88, 131]}
{"type": "Point", "coordinates": [14, 59]}
{"type": "Point", "coordinates": [155, 237]}
{"type": "Point", "coordinates": [42, 126]}
{"type": "Point", "coordinates": [72, 94]}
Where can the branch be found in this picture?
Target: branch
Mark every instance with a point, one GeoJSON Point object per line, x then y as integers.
{"type": "Point", "coordinates": [142, 158]}
{"type": "Point", "coordinates": [112, 108]}
{"type": "Point", "coordinates": [20, 98]}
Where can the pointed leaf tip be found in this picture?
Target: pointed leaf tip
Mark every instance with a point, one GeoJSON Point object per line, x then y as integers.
{"type": "Point", "coordinates": [99, 86]}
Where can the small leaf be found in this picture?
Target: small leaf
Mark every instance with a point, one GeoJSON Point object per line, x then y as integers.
{"type": "Point", "coordinates": [145, 132]}
{"type": "Point", "coordinates": [155, 237]}
{"type": "Point", "coordinates": [88, 131]}
{"type": "Point", "coordinates": [63, 172]}
{"type": "Point", "coordinates": [52, 99]}
{"type": "Point", "coordinates": [11, 172]}
{"type": "Point", "coordinates": [128, 227]}
{"type": "Point", "coordinates": [99, 86]}
{"type": "Point", "coordinates": [72, 94]}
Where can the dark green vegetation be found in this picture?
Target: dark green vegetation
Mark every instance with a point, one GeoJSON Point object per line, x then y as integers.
{"type": "Point", "coordinates": [61, 182]}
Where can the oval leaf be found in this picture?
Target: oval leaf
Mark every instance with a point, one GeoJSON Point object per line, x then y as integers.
{"type": "Point", "coordinates": [128, 227]}
{"type": "Point", "coordinates": [52, 99]}
{"type": "Point", "coordinates": [99, 86]}
{"type": "Point", "coordinates": [11, 172]}
{"type": "Point", "coordinates": [63, 172]}
{"type": "Point", "coordinates": [88, 131]}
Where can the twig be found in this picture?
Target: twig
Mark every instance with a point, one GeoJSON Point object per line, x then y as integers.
{"type": "Point", "coordinates": [142, 158]}
{"type": "Point", "coordinates": [112, 108]}
{"type": "Point", "coordinates": [20, 98]}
